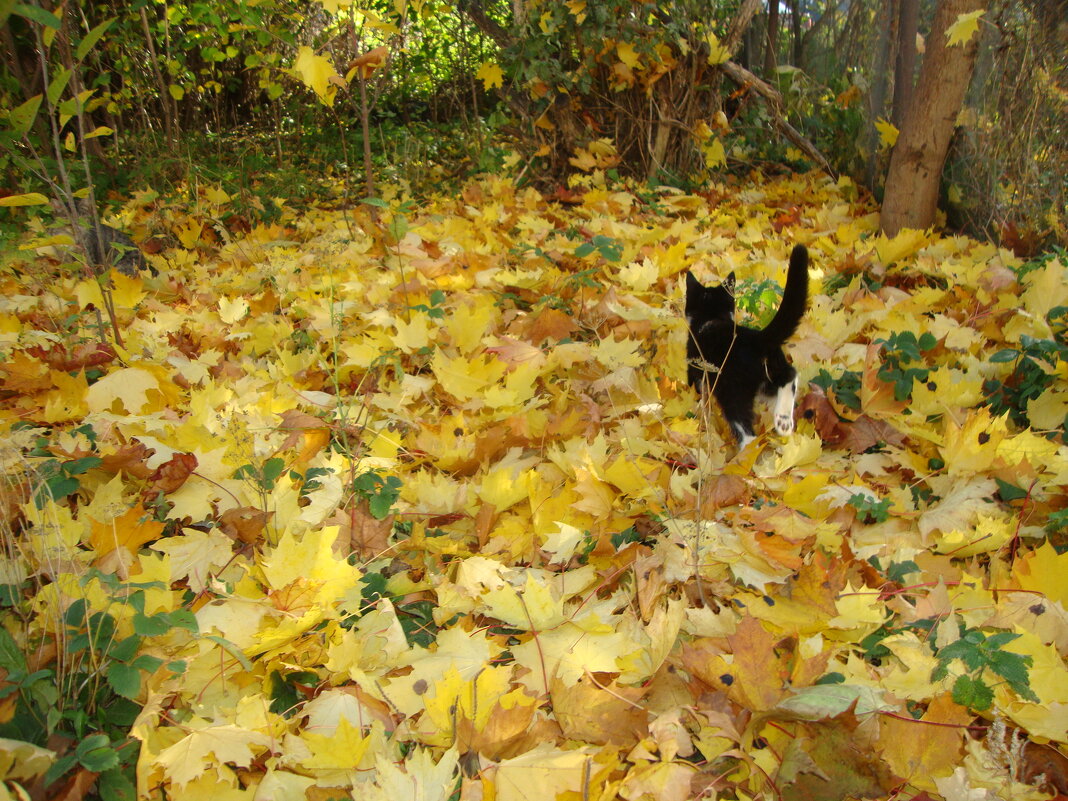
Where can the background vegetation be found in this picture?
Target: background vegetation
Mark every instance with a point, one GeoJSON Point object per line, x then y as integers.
{"type": "Point", "coordinates": [212, 92]}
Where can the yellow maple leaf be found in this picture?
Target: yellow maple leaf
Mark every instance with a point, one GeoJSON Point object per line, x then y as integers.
{"type": "Point", "coordinates": [577, 8]}
{"type": "Point", "coordinates": [136, 390]}
{"type": "Point", "coordinates": [127, 291]}
{"type": "Point", "coordinates": [1043, 571]}
{"type": "Point", "coordinates": [988, 535]}
{"type": "Point", "coordinates": [544, 772]}
{"type": "Point", "coordinates": [857, 611]}
{"type": "Point", "coordinates": [232, 311]}
{"type": "Point", "coordinates": [504, 486]}
{"type": "Point", "coordinates": [964, 28]}
{"type": "Point", "coordinates": [627, 54]}
{"type": "Point", "coordinates": [717, 53]}
{"type": "Point", "coordinates": [466, 379]}
{"type": "Point", "coordinates": [317, 73]}
{"type": "Point", "coordinates": [490, 74]}
{"type": "Point", "coordinates": [714, 153]}
{"type": "Point", "coordinates": [798, 450]}
{"type": "Point", "coordinates": [341, 750]}
{"type": "Point", "coordinates": [906, 243]}
{"type": "Point", "coordinates": [888, 132]}
{"type": "Point", "coordinates": [531, 608]}
{"type": "Point", "coordinates": [211, 746]}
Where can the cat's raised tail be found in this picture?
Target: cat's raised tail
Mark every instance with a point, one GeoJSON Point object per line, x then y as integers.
{"type": "Point", "coordinates": [794, 299]}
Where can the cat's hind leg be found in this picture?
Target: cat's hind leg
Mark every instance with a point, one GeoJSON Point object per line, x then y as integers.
{"type": "Point", "coordinates": [784, 407]}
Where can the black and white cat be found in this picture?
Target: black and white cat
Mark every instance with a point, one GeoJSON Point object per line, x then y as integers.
{"type": "Point", "coordinates": [739, 363]}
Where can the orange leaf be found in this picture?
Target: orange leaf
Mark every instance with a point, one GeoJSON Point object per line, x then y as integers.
{"type": "Point", "coordinates": [129, 532]}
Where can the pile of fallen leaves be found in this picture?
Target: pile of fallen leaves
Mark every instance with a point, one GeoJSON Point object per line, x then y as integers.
{"type": "Point", "coordinates": [412, 501]}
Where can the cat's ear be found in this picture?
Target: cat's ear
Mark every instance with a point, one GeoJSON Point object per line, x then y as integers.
{"type": "Point", "coordinates": [692, 283]}
{"type": "Point", "coordinates": [729, 283]}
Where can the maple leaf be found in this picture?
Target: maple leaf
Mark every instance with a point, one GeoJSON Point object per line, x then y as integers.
{"type": "Point", "coordinates": [888, 133]}
{"type": "Point", "coordinates": [217, 745]}
{"type": "Point", "coordinates": [490, 74]}
{"type": "Point", "coordinates": [318, 74]}
{"type": "Point", "coordinates": [421, 778]}
{"type": "Point", "coordinates": [340, 751]}
{"type": "Point", "coordinates": [543, 772]}
{"type": "Point", "coordinates": [963, 28]}
{"type": "Point", "coordinates": [600, 713]}
{"type": "Point", "coordinates": [125, 533]}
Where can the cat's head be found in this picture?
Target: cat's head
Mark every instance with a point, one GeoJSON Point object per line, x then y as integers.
{"type": "Point", "coordinates": [709, 302]}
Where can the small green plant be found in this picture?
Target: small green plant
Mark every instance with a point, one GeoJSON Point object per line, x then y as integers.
{"type": "Point", "coordinates": [758, 299]}
{"type": "Point", "coordinates": [436, 309]}
{"type": "Point", "coordinates": [89, 697]}
{"type": "Point", "coordinates": [982, 654]}
{"type": "Point", "coordinates": [845, 388]}
{"type": "Point", "coordinates": [870, 509]}
{"type": "Point", "coordinates": [309, 481]}
{"type": "Point", "coordinates": [611, 250]}
{"type": "Point", "coordinates": [60, 478]}
{"type": "Point", "coordinates": [380, 492]}
{"type": "Point", "coordinates": [1037, 364]}
{"type": "Point", "coordinates": [264, 477]}
{"type": "Point", "coordinates": [901, 353]}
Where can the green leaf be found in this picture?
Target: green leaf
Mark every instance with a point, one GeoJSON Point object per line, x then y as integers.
{"type": "Point", "coordinates": [11, 656]}
{"type": "Point", "coordinates": [76, 467]}
{"type": "Point", "coordinates": [151, 626]}
{"type": "Point", "coordinates": [1006, 355]}
{"type": "Point", "coordinates": [91, 38]}
{"type": "Point", "coordinates": [147, 663]}
{"type": "Point", "coordinates": [1010, 492]}
{"type": "Point", "coordinates": [59, 768]}
{"type": "Point", "coordinates": [96, 754]}
{"type": "Point", "coordinates": [1013, 668]}
{"type": "Point", "coordinates": [125, 650]}
{"type": "Point", "coordinates": [38, 15]}
{"type": "Point", "coordinates": [183, 619]}
{"type": "Point", "coordinates": [22, 116]}
{"type": "Point", "coordinates": [380, 506]}
{"type": "Point", "coordinates": [375, 201]}
{"type": "Point", "coordinates": [116, 786]}
{"type": "Point", "coordinates": [57, 85]}
{"type": "Point", "coordinates": [272, 470]}
{"type": "Point", "coordinates": [972, 693]}
{"type": "Point", "coordinates": [125, 680]}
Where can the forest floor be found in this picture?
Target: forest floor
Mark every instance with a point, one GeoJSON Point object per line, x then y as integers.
{"type": "Point", "coordinates": [413, 501]}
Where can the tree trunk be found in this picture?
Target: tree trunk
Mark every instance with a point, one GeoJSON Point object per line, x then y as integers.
{"type": "Point", "coordinates": [913, 178]}
{"type": "Point", "coordinates": [905, 66]}
{"type": "Point", "coordinates": [772, 44]}
{"type": "Point", "coordinates": [795, 33]}
{"type": "Point", "coordinates": [880, 82]}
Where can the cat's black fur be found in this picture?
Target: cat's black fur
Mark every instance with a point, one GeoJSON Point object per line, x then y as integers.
{"type": "Point", "coordinates": [739, 363]}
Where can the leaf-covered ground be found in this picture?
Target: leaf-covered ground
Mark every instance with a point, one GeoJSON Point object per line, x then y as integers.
{"type": "Point", "coordinates": [451, 525]}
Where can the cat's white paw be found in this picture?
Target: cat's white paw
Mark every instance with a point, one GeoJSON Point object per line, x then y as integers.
{"type": "Point", "coordinates": [784, 408]}
{"type": "Point", "coordinates": [784, 423]}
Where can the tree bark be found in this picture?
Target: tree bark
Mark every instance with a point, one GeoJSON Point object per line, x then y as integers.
{"type": "Point", "coordinates": [915, 172]}
{"type": "Point", "coordinates": [880, 83]}
{"type": "Point", "coordinates": [740, 24]}
{"type": "Point", "coordinates": [772, 43]}
{"type": "Point", "coordinates": [795, 33]}
{"type": "Point", "coordinates": [905, 65]}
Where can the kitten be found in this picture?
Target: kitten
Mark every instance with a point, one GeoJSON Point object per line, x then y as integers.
{"type": "Point", "coordinates": [104, 245]}
{"type": "Point", "coordinates": [739, 363]}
